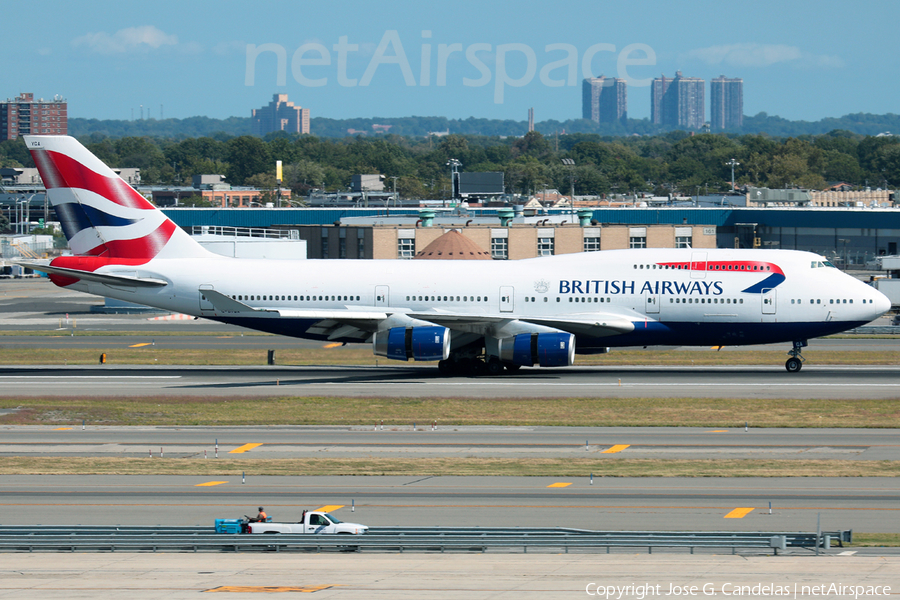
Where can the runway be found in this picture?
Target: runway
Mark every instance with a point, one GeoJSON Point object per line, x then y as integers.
{"type": "Point", "coordinates": [862, 504]}
{"type": "Point", "coordinates": [826, 382]}
{"type": "Point", "coordinates": [448, 440]}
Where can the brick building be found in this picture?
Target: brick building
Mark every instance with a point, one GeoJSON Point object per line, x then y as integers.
{"type": "Point", "coordinates": [26, 116]}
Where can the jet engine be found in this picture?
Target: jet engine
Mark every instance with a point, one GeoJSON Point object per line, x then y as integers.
{"type": "Point", "coordinates": [419, 343]}
{"type": "Point", "coordinates": [544, 349]}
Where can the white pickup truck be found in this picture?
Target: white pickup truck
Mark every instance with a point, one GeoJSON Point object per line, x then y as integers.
{"type": "Point", "coordinates": [311, 522]}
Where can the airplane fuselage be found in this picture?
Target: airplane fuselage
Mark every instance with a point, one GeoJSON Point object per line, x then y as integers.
{"type": "Point", "coordinates": [673, 297]}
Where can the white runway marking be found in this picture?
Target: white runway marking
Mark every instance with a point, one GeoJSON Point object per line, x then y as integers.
{"type": "Point", "coordinates": [91, 377]}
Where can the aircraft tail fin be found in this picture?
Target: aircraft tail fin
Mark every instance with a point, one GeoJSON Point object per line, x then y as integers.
{"type": "Point", "coordinates": [101, 215]}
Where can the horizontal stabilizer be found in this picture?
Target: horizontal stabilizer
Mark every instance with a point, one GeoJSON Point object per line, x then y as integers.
{"type": "Point", "coordinates": [104, 278]}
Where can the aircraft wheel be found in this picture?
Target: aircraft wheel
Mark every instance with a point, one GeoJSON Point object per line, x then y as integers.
{"type": "Point", "coordinates": [445, 368]}
{"type": "Point", "coordinates": [512, 368]}
{"type": "Point", "coordinates": [793, 365]}
{"type": "Point", "coordinates": [476, 367]}
{"type": "Point", "coordinates": [494, 366]}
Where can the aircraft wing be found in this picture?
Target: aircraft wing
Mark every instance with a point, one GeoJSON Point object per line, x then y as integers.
{"type": "Point", "coordinates": [105, 278]}
{"type": "Point", "coordinates": [334, 324]}
{"type": "Point", "coordinates": [588, 325]}
{"type": "Point", "coordinates": [359, 324]}
{"type": "Point", "coordinates": [592, 324]}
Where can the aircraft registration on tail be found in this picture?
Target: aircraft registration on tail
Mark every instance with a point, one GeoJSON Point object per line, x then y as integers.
{"type": "Point", "coordinates": [472, 316]}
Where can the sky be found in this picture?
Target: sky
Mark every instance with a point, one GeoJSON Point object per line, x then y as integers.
{"type": "Point", "coordinates": [799, 59]}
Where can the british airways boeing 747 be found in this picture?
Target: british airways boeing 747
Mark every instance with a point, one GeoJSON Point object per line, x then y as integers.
{"type": "Point", "coordinates": [472, 316]}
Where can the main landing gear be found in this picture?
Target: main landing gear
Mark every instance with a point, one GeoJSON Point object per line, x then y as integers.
{"type": "Point", "coordinates": [474, 366]}
{"type": "Point", "coordinates": [795, 362]}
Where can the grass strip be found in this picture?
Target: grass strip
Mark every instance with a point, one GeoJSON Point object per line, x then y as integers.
{"type": "Point", "coordinates": [874, 540]}
{"type": "Point", "coordinates": [600, 466]}
{"type": "Point", "coordinates": [449, 412]}
{"type": "Point", "coordinates": [157, 354]}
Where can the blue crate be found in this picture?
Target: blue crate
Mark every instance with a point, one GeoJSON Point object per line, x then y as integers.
{"type": "Point", "coordinates": [228, 525]}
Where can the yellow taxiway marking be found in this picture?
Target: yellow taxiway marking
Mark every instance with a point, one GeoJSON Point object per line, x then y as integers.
{"type": "Point", "coordinates": [616, 448]}
{"type": "Point", "coordinates": [268, 589]}
{"type": "Point", "coordinates": [560, 484]}
{"type": "Point", "coordinates": [210, 483]}
{"type": "Point", "coordinates": [718, 431]}
{"type": "Point", "coordinates": [141, 345]}
{"type": "Point", "coordinates": [739, 513]}
{"type": "Point", "coordinates": [244, 448]}
{"type": "Point", "coordinates": [716, 347]}
{"type": "Point", "coordinates": [62, 429]}
{"type": "Point", "coordinates": [333, 345]}
{"type": "Point", "coordinates": [330, 508]}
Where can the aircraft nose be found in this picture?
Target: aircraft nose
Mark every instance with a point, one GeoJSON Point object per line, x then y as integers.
{"type": "Point", "coordinates": [882, 303]}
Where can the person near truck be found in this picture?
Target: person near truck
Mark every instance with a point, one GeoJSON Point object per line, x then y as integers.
{"type": "Point", "coordinates": [261, 517]}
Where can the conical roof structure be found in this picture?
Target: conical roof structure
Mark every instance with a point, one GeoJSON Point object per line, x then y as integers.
{"type": "Point", "coordinates": [453, 246]}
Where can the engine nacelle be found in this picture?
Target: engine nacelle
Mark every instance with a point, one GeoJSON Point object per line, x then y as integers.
{"type": "Point", "coordinates": [419, 343]}
{"type": "Point", "coordinates": [544, 349]}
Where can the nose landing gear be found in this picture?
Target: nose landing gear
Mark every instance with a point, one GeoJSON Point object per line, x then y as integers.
{"type": "Point", "coordinates": [795, 362]}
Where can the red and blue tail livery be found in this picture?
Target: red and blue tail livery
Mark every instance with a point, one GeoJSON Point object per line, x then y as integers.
{"type": "Point", "coordinates": [472, 317]}
{"type": "Point", "coordinates": [100, 214]}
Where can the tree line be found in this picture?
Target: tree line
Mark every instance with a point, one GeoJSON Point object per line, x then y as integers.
{"type": "Point", "coordinates": [675, 162]}
{"type": "Point", "coordinates": [861, 123]}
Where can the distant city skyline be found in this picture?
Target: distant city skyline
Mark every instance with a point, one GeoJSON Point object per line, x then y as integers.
{"type": "Point", "coordinates": [347, 59]}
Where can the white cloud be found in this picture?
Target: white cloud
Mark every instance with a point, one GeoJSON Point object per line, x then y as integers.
{"type": "Point", "coordinates": [125, 40]}
{"type": "Point", "coordinates": [761, 55]}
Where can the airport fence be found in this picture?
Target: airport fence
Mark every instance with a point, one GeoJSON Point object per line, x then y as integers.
{"type": "Point", "coordinates": [42, 538]}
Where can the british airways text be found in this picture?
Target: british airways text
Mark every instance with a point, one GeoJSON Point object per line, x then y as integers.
{"type": "Point", "coordinates": [601, 286]}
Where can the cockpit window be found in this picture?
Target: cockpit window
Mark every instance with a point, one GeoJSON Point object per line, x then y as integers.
{"type": "Point", "coordinates": [828, 264]}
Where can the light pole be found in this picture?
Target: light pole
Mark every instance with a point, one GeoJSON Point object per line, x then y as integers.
{"type": "Point", "coordinates": [571, 164]}
{"type": "Point", "coordinates": [733, 164]}
{"type": "Point", "coordinates": [454, 176]}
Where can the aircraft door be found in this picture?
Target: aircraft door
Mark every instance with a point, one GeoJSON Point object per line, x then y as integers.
{"type": "Point", "coordinates": [651, 305]}
{"type": "Point", "coordinates": [768, 301]}
{"type": "Point", "coordinates": [506, 298]}
{"type": "Point", "coordinates": [698, 265]}
{"type": "Point", "coordinates": [382, 295]}
{"type": "Point", "coordinates": [205, 304]}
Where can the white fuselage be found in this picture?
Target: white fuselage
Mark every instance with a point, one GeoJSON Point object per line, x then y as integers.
{"type": "Point", "coordinates": [678, 297]}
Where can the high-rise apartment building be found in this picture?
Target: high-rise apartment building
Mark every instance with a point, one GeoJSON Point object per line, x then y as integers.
{"type": "Point", "coordinates": [604, 99]}
{"type": "Point", "coordinates": [678, 102]}
{"type": "Point", "coordinates": [279, 115]}
{"type": "Point", "coordinates": [26, 116]}
{"type": "Point", "coordinates": [726, 103]}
